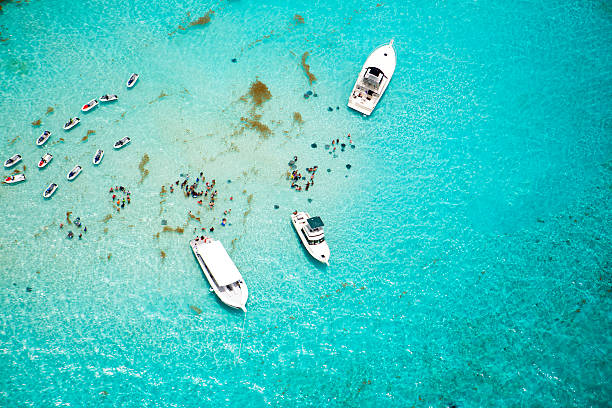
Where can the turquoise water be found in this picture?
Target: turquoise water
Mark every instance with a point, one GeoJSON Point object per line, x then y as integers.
{"type": "Point", "coordinates": [470, 239]}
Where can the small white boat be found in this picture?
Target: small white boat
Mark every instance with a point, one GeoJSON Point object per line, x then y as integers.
{"type": "Point", "coordinates": [120, 143]}
{"type": "Point", "coordinates": [15, 178]}
{"type": "Point", "coordinates": [108, 98]}
{"type": "Point", "coordinates": [45, 160]}
{"type": "Point", "coordinates": [74, 173]}
{"type": "Point", "coordinates": [221, 272]}
{"type": "Point", "coordinates": [13, 160]}
{"type": "Point", "coordinates": [42, 139]}
{"type": "Point", "coordinates": [310, 231]}
{"type": "Point", "coordinates": [50, 190]}
{"type": "Point", "coordinates": [373, 79]}
{"type": "Point", "coordinates": [132, 81]}
{"type": "Point", "coordinates": [71, 123]}
{"type": "Point", "coordinates": [98, 156]}
{"type": "Point", "coordinates": [89, 105]}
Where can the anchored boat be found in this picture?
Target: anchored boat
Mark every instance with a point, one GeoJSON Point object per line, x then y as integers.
{"type": "Point", "coordinates": [50, 190]}
{"type": "Point", "coordinates": [15, 178]}
{"type": "Point", "coordinates": [13, 160]}
{"type": "Point", "coordinates": [74, 173]}
{"type": "Point", "coordinates": [98, 156]}
{"type": "Point", "coordinates": [42, 139]}
{"type": "Point", "coordinates": [45, 160]}
{"type": "Point", "coordinates": [310, 231]}
{"type": "Point", "coordinates": [221, 272]}
{"type": "Point", "coordinates": [71, 123]}
{"type": "Point", "coordinates": [132, 81]}
{"type": "Point", "coordinates": [89, 105]}
{"type": "Point", "coordinates": [373, 79]}
{"type": "Point", "coordinates": [120, 143]}
{"type": "Point", "coordinates": [108, 98]}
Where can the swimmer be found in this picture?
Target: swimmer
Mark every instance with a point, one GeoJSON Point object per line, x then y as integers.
{"type": "Point", "coordinates": [61, 225]}
{"type": "Point", "coordinates": [85, 229]}
{"type": "Point", "coordinates": [212, 229]}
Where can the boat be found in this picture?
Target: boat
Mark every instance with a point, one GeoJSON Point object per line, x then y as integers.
{"type": "Point", "coordinates": [89, 105]}
{"type": "Point", "coordinates": [50, 190]}
{"type": "Point", "coordinates": [42, 139]}
{"type": "Point", "coordinates": [310, 231]}
{"type": "Point", "coordinates": [108, 98]}
{"type": "Point", "coordinates": [221, 272]}
{"type": "Point", "coordinates": [45, 160]}
{"type": "Point", "coordinates": [71, 123]}
{"type": "Point", "coordinates": [15, 178]}
{"type": "Point", "coordinates": [120, 143]}
{"type": "Point", "coordinates": [373, 79]}
{"type": "Point", "coordinates": [98, 156]}
{"type": "Point", "coordinates": [74, 173]}
{"type": "Point", "coordinates": [132, 81]}
{"type": "Point", "coordinates": [13, 160]}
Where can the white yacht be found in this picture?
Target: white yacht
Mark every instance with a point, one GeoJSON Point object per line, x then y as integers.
{"type": "Point", "coordinates": [310, 231]}
{"type": "Point", "coordinates": [223, 276]}
{"type": "Point", "coordinates": [373, 79]}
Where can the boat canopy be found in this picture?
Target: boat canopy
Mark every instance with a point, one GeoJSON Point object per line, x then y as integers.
{"type": "Point", "coordinates": [219, 263]}
{"type": "Point", "coordinates": [315, 222]}
{"type": "Point", "coordinates": [373, 77]}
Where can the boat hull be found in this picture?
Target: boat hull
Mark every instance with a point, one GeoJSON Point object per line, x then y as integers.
{"type": "Point", "coordinates": [73, 124]}
{"type": "Point", "coordinates": [89, 105]}
{"type": "Point", "coordinates": [16, 158]}
{"type": "Point", "coordinates": [319, 251]}
{"type": "Point", "coordinates": [17, 178]}
{"type": "Point", "coordinates": [96, 162]}
{"type": "Point", "coordinates": [236, 298]}
{"type": "Point", "coordinates": [384, 59]}
{"type": "Point", "coordinates": [42, 139]}
{"type": "Point", "coordinates": [50, 190]}
{"type": "Point", "coordinates": [74, 173]}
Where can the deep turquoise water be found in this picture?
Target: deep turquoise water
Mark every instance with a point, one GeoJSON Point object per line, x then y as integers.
{"type": "Point", "coordinates": [470, 239]}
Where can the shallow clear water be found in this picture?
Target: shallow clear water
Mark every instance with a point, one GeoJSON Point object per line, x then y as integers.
{"type": "Point", "coordinates": [470, 239]}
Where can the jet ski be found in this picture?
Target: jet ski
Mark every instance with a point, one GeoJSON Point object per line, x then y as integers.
{"type": "Point", "coordinates": [45, 160]}
{"type": "Point", "coordinates": [15, 178]}
{"type": "Point", "coordinates": [42, 139]}
{"type": "Point", "coordinates": [132, 81]}
{"type": "Point", "coordinates": [98, 156]}
{"type": "Point", "coordinates": [120, 143]}
{"type": "Point", "coordinates": [108, 98]}
{"type": "Point", "coordinates": [12, 161]}
{"type": "Point", "coordinates": [89, 105]}
{"type": "Point", "coordinates": [71, 123]}
{"type": "Point", "coordinates": [50, 190]}
{"type": "Point", "coordinates": [74, 173]}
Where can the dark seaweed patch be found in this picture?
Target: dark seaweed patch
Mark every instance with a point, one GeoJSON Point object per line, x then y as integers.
{"type": "Point", "coordinates": [306, 67]}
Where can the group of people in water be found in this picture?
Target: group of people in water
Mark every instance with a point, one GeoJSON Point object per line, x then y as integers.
{"type": "Point", "coordinates": [295, 176]}
{"type": "Point", "coordinates": [120, 202]}
{"type": "Point", "coordinates": [191, 190]}
{"type": "Point", "coordinates": [77, 223]}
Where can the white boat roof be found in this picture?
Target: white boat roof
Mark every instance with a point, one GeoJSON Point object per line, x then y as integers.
{"type": "Point", "coordinates": [218, 262]}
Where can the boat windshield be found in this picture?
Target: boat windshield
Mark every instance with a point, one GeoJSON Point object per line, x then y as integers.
{"type": "Point", "coordinates": [373, 77]}
{"type": "Point", "coordinates": [312, 241]}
